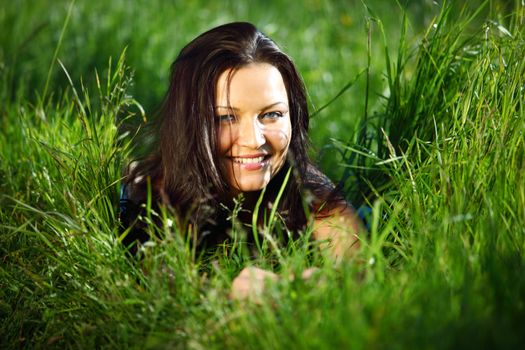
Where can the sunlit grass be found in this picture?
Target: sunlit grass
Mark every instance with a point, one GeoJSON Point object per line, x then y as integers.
{"type": "Point", "coordinates": [441, 163]}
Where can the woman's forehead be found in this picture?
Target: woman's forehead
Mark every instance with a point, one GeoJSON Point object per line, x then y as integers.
{"type": "Point", "coordinates": [255, 86]}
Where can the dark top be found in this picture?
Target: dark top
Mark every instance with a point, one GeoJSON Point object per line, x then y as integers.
{"type": "Point", "coordinates": [317, 191]}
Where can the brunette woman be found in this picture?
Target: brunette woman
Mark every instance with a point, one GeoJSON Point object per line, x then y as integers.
{"type": "Point", "coordinates": [234, 123]}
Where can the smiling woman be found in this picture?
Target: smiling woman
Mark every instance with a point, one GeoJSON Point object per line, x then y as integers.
{"type": "Point", "coordinates": [234, 124]}
{"type": "Point", "coordinates": [254, 126]}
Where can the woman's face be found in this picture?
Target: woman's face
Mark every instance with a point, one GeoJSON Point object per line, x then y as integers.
{"type": "Point", "coordinates": [254, 128]}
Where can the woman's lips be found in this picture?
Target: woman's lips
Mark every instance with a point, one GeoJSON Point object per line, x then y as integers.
{"type": "Point", "coordinates": [246, 160]}
{"type": "Point", "coordinates": [251, 162]}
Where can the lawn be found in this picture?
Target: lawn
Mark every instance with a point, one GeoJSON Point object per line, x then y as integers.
{"type": "Point", "coordinates": [424, 123]}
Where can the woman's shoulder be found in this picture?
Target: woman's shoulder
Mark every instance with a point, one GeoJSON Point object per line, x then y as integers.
{"type": "Point", "coordinates": [138, 182]}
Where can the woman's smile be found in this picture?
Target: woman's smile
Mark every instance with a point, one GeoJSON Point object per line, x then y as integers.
{"type": "Point", "coordinates": [254, 127]}
{"type": "Point", "coordinates": [252, 162]}
{"type": "Point", "coordinates": [251, 159]}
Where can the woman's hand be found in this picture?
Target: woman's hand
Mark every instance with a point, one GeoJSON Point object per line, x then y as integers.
{"type": "Point", "coordinates": [250, 283]}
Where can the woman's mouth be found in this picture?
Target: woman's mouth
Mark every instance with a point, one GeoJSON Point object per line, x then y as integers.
{"type": "Point", "coordinates": [254, 162]}
{"type": "Point", "coordinates": [244, 160]}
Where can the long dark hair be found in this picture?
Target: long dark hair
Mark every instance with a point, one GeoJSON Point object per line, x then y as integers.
{"type": "Point", "coordinates": [183, 170]}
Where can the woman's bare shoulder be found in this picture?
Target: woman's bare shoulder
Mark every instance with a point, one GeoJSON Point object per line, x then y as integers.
{"type": "Point", "coordinates": [334, 218]}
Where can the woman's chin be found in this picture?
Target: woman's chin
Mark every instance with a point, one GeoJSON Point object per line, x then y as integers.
{"type": "Point", "coordinates": [250, 181]}
{"type": "Point", "coordinates": [249, 187]}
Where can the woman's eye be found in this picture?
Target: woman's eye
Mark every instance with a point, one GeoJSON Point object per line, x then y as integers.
{"type": "Point", "coordinates": [271, 115]}
{"type": "Point", "coordinates": [225, 118]}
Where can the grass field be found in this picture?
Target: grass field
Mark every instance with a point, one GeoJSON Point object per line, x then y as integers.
{"type": "Point", "coordinates": [429, 134]}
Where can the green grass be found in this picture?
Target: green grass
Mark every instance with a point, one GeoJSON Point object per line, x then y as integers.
{"type": "Point", "coordinates": [440, 158]}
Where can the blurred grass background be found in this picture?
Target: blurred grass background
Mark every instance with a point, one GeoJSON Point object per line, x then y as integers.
{"type": "Point", "coordinates": [438, 153]}
{"type": "Point", "coordinates": [327, 40]}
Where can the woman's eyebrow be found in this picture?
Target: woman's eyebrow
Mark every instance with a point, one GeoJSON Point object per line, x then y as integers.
{"type": "Point", "coordinates": [262, 109]}
{"type": "Point", "coordinates": [273, 105]}
{"type": "Point", "coordinates": [227, 107]}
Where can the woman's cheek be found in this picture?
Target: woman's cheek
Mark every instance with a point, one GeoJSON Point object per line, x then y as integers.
{"type": "Point", "coordinates": [225, 140]}
{"type": "Point", "coordinates": [281, 139]}
{"type": "Point", "coordinates": [286, 137]}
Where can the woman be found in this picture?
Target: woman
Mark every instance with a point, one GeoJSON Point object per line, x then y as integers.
{"type": "Point", "coordinates": [234, 124]}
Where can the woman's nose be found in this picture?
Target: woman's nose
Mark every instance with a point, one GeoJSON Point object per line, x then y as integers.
{"type": "Point", "coordinates": [251, 134]}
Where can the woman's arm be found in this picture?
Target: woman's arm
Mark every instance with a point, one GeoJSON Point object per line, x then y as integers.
{"type": "Point", "coordinates": [338, 228]}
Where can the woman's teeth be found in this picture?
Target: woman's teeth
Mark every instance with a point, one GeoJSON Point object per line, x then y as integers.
{"type": "Point", "coordinates": [248, 160]}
